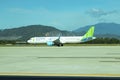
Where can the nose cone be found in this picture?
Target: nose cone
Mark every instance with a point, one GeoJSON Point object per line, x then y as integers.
{"type": "Point", "coordinates": [28, 41]}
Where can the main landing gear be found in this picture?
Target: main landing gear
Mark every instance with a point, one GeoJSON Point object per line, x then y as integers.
{"type": "Point", "coordinates": [60, 45]}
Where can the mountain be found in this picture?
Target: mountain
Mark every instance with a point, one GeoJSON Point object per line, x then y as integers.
{"type": "Point", "coordinates": [102, 30]}
{"type": "Point", "coordinates": [26, 32]}
{"type": "Point", "coordinates": [23, 33]}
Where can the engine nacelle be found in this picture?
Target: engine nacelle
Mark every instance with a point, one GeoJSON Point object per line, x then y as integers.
{"type": "Point", "coordinates": [50, 43]}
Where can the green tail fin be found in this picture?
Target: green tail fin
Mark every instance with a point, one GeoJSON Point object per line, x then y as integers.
{"type": "Point", "coordinates": [90, 32]}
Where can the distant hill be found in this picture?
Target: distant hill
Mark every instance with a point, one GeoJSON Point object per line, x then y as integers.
{"type": "Point", "coordinates": [23, 33]}
{"type": "Point", "coordinates": [102, 30]}
{"type": "Point", "coordinates": [26, 32]}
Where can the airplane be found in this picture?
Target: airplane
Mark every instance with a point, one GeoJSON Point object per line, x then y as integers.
{"type": "Point", "coordinates": [60, 40]}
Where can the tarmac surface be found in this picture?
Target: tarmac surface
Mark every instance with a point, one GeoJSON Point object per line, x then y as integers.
{"type": "Point", "coordinates": [60, 61]}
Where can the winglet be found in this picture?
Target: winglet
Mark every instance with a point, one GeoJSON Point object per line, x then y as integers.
{"type": "Point", "coordinates": [59, 35]}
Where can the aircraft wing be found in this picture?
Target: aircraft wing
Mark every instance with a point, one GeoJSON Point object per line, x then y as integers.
{"type": "Point", "coordinates": [57, 41]}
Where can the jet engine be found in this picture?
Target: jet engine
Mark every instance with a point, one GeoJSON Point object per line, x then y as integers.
{"type": "Point", "coordinates": [50, 43]}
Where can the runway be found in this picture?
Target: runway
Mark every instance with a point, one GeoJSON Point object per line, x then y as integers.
{"type": "Point", "coordinates": [70, 60]}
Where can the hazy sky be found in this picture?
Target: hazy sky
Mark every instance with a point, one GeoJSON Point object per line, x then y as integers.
{"type": "Point", "coordinates": [62, 14]}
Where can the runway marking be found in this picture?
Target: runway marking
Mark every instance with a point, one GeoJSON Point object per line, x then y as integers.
{"type": "Point", "coordinates": [113, 53]}
{"type": "Point", "coordinates": [110, 61]}
{"type": "Point", "coordinates": [85, 57]}
{"type": "Point", "coordinates": [60, 75]}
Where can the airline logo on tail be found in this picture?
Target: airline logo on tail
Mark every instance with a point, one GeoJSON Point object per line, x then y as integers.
{"type": "Point", "coordinates": [89, 35]}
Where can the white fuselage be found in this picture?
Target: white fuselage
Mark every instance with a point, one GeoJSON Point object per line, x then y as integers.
{"type": "Point", "coordinates": [63, 39]}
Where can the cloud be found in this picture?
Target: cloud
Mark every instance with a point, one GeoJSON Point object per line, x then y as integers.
{"type": "Point", "coordinates": [20, 10]}
{"type": "Point", "coordinates": [27, 11]}
{"type": "Point", "coordinates": [65, 20]}
{"type": "Point", "coordinates": [60, 19]}
{"type": "Point", "coordinates": [97, 13]}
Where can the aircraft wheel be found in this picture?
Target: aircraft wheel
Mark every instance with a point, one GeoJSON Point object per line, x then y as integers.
{"type": "Point", "coordinates": [61, 44]}
{"type": "Point", "coordinates": [58, 45]}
